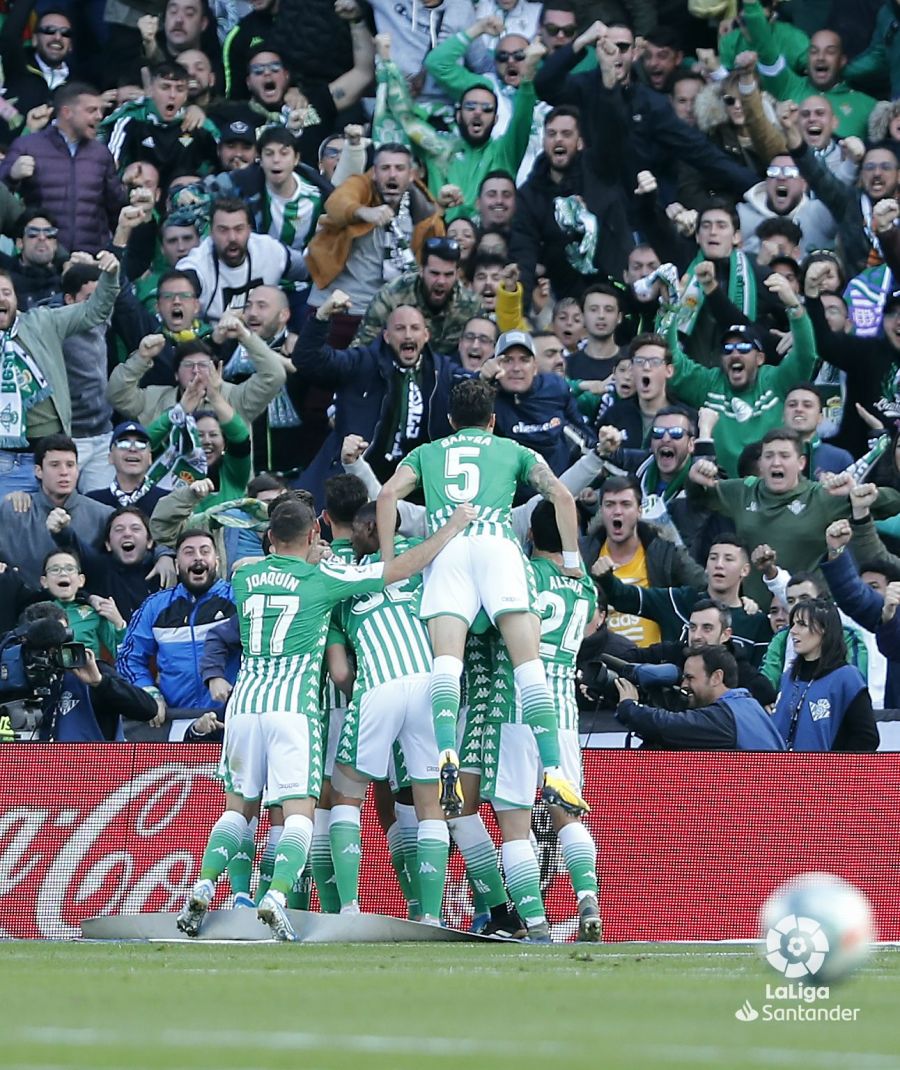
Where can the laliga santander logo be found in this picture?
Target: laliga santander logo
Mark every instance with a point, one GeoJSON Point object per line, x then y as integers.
{"type": "Point", "coordinates": [92, 868]}
{"type": "Point", "coordinates": [796, 946]}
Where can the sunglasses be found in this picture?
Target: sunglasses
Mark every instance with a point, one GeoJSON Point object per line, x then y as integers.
{"type": "Point", "coordinates": [504, 57]}
{"type": "Point", "coordinates": [266, 68]}
{"type": "Point", "coordinates": [782, 172]}
{"type": "Point", "coordinates": [41, 232]}
{"type": "Point", "coordinates": [729, 101]}
{"type": "Point", "coordinates": [475, 105]}
{"type": "Point", "coordinates": [448, 248]}
{"type": "Point", "coordinates": [54, 31]}
{"type": "Point", "coordinates": [132, 444]}
{"type": "Point", "coordinates": [676, 434]}
{"type": "Point", "coordinates": [738, 347]}
{"type": "Point", "coordinates": [558, 31]}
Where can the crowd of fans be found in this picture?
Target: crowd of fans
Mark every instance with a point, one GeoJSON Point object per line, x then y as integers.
{"type": "Point", "coordinates": [249, 246]}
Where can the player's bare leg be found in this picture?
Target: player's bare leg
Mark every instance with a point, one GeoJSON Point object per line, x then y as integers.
{"type": "Point", "coordinates": [520, 632]}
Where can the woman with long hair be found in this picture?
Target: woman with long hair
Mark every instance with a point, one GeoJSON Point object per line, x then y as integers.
{"type": "Point", "coordinates": [824, 704]}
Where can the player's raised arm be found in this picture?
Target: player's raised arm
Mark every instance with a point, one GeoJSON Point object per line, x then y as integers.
{"type": "Point", "coordinates": [548, 486]}
{"type": "Point", "coordinates": [415, 559]}
{"type": "Point", "coordinates": [404, 481]}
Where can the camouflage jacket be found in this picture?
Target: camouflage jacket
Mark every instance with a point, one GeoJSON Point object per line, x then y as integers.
{"type": "Point", "coordinates": [445, 325]}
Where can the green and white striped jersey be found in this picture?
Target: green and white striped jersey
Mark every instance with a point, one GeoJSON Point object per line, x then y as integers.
{"type": "Point", "coordinates": [292, 220]}
{"type": "Point", "coordinates": [385, 632]}
{"type": "Point", "coordinates": [284, 609]}
{"type": "Point", "coordinates": [565, 605]}
{"type": "Point", "coordinates": [472, 467]}
{"type": "Point", "coordinates": [331, 697]}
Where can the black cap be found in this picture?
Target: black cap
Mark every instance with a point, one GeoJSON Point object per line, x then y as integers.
{"type": "Point", "coordinates": [239, 130]}
{"type": "Point", "coordinates": [746, 331]}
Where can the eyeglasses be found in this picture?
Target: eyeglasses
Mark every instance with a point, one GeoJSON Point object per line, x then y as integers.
{"type": "Point", "coordinates": [132, 444]}
{"type": "Point", "coordinates": [191, 364]}
{"type": "Point", "coordinates": [41, 232]}
{"type": "Point", "coordinates": [61, 570]}
{"type": "Point", "coordinates": [775, 171]}
{"type": "Point", "coordinates": [648, 362]}
{"type": "Point", "coordinates": [54, 31]}
{"type": "Point", "coordinates": [184, 295]}
{"type": "Point", "coordinates": [484, 339]}
{"type": "Point", "coordinates": [729, 101]}
{"type": "Point", "coordinates": [444, 248]}
{"type": "Point", "coordinates": [504, 57]}
{"type": "Point", "coordinates": [267, 68]}
{"type": "Point", "coordinates": [879, 165]}
{"type": "Point", "coordinates": [738, 347]}
{"type": "Point", "coordinates": [476, 105]}
{"type": "Point", "coordinates": [676, 434]}
{"type": "Point", "coordinates": [558, 31]}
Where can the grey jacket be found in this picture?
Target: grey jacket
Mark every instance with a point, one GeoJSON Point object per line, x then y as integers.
{"type": "Point", "coordinates": [25, 540]}
{"type": "Point", "coordinates": [249, 399]}
{"type": "Point", "coordinates": [86, 366]}
{"type": "Point", "coordinates": [42, 331]}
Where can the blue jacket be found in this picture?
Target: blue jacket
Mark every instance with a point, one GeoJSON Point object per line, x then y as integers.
{"type": "Point", "coordinates": [170, 627]}
{"type": "Point", "coordinates": [819, 706]}
{"type": "Point", "coordinates": [735, 721]}
{"type": "Point", "coordinates": [864, 605]}
{"type": "Point", "coordinates": [361, 378]}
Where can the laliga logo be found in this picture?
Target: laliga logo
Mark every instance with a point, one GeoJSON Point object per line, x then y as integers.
{"type": "Point", "coordinates": [796, 946]}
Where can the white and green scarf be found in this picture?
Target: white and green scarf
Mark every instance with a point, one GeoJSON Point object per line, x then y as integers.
{"type": "Point", "coordinates": [741, 292]}
{"type": "Point", "coordinates": [22, 385]}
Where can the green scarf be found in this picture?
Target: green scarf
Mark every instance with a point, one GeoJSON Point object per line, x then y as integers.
{"type": "Point", "coordinates": [674, 487]}
{"type": "Point", "coordinates": [182, 460]}
{"type": "Point", "coordinates": [22, 385]}
{"type": "Point", "coordinates": [741, 292]}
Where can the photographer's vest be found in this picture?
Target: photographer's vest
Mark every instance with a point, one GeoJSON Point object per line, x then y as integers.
{"type": "Point", "coordinates": [70, 701]}
{"type": "Point", "coordinates": [753, 727]}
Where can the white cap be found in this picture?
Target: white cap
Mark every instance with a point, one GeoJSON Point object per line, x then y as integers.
{"type": "Point", "coordinates": [514, 338]}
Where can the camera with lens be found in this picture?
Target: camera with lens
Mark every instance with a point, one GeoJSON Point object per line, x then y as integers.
{"type": "Point", "coordinates": [657, 685]}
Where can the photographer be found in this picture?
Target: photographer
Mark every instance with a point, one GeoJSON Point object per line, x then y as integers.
{"type": "Point", "coordinates": [80, 704]}
{"type": "Point", "coordinates": [721, 716]}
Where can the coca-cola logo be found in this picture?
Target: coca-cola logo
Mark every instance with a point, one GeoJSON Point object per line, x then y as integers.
{"type": "Point", "coordinates": [119, 845]}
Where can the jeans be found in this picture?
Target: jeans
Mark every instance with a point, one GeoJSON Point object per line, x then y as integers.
{"type": "Point", "coordinates": [16, 472]}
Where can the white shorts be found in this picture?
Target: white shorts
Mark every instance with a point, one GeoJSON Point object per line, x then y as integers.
{"type": "Point", "coordinates": [512, 765]}
{"type": "Point", "coordinates": [280, 753]}
{"type": "Point", "coordinates": [474, 571]}
{"type": "Point", "coordinates": [401, 711]}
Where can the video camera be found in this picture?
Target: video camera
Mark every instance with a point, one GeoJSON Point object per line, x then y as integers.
{"type": "Point", "coordinates": [657, 685]}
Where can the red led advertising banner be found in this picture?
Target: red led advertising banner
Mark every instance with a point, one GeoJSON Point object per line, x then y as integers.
{"type": "Point", "coordinates": [689, 844]}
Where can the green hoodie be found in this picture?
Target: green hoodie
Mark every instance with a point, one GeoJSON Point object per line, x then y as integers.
{"type": "Point", "coordinates": [745, 415]}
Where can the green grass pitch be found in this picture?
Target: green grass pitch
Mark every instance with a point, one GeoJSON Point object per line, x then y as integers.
{"type": "Point", "coordinates": [407, 1007]}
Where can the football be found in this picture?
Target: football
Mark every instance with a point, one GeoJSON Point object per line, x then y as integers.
{"type": "Point", "coordinates": [816, 928]}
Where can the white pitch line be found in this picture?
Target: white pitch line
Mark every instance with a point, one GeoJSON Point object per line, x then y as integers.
{"type": "Point", "coordinates": [718, 1055]}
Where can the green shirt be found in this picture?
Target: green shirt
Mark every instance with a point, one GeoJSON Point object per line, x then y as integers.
{"type": "Point", "coordinates": [476, 467]}
{"type": "Point", "coordinates": [284, 608]}
{"type": "Point", "coordinates": [566, 606]}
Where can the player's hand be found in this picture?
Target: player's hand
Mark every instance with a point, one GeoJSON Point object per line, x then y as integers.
{"type": "Point", "coordinates": [815, 279]}
{"type": "Point", "coordinates": [352, 448]}
{"type": "Point", "coordinates": [891, 601]}
{"type": "Point", "coordinates": [461, 517]}
{"type": "Point", "coordinates": [108, 262]}
{"type": "Point", "coordinates": [335, 303]}
{"type": "Point", "coordinates": [20, 500]}
{"type": "Point", "coordinates": [862, 498]}
{"type": "Point", "coordinates": [837, 484]}
{"type": "Point", "coordinates": [57, 519]}
{"type": "Point", "coordinates": [164, 569]}
{"type": "Point", "coordinates": [626, 690]}
{"type": "Point", "coordinates": [90, 673]}
{"type": "Point", "coordinates": [207, 723]}
{"type": "Point", "coordinates": [450, 196]}
{"type": "Point", "coordinates": [219, 689]}
{"type": "Point", "coordinates": [779, 285]}
{"type": "Point", "coordinates": [602, 566]}
{"type": "Point", "coordinates": [704, 473]}
{"type": "Point", "coordinates": [646, 184]}
{"type": "Point", "coordinates": [765, 559]}
{"type": "Point", "coordinates": [609, 439]}
{"type": "Point", "coordinates": [705, 274]}
{"type": "Point", "coordinates": [838, 534]}
{"type": "Point", "coordinates": [22, 168]}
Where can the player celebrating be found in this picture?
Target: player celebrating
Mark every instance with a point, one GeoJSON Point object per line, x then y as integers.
{"type": "Point", "coordinates": [273, 731]}
{"type": "Point", "coordinates": [486, 569]}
